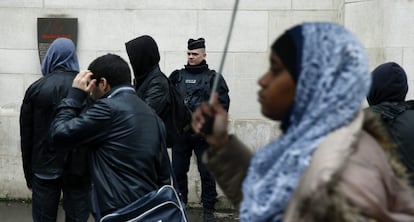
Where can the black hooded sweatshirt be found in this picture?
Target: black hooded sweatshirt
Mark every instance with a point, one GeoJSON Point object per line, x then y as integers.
{"type": "Point", "coordinates": [386, 97]}
{"type": "Point", "coordinates": [150, 82]}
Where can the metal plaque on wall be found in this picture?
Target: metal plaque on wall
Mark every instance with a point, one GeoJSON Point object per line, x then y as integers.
{"type": "Point", "coordinates": [48, 29]}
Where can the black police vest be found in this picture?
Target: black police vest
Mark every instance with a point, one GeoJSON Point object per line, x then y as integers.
{"type": "Point", "coordinates": [195, 88]}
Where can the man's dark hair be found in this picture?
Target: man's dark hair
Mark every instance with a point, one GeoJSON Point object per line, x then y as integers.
{"type": "Point", "coordinates": [111, 67]}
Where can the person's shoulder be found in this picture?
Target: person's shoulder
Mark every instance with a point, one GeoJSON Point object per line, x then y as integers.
{"type": "Point", "coordinates": [410, 104]}
{"type": "Point", "coordinates": [175, 74]}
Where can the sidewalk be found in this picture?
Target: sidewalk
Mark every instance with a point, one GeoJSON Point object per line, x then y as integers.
{"type": "Point", "coordinates": [18, 211]}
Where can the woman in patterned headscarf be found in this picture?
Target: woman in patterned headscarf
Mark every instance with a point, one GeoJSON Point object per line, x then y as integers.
{"type": "Point", "coordinates": [316, 83]}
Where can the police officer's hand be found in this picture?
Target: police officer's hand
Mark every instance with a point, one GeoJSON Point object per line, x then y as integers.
{"type": "Point", "coordinates": [84, 81]}
{"type": "Point", "coordinates": [219, 136]}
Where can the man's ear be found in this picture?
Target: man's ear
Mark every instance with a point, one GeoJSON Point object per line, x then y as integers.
{"type": "Point", "coordinates": [105, 85]}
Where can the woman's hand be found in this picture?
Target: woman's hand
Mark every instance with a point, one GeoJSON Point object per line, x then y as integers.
{"type": "Point", "coordinates": [219, 136]}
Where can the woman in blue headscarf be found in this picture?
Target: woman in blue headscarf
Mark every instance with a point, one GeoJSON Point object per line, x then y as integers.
{"type": "Point", "coordinates": [316, 83]}
{"type": "Point", "coordinates": [49, 170]}
{"type": "Point", "coordinates": [61, 55]}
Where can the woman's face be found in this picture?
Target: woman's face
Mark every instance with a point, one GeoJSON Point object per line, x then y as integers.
{"type": "Point", "coordinates": [277, 89]}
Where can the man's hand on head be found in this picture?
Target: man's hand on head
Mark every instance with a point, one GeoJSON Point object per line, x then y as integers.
{"type": "Point", "coordinates": [84, 81]}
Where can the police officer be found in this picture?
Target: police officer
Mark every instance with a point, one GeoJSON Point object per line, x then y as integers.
{"type": "Point", "coordinates": [194, 82]}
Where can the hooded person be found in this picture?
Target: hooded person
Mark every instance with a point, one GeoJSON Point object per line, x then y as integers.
{"type": "Point", "coordinates": [316, 83]}
{"type": "Point", "coordinates": [387, 98]}
{"type": "Point", "coordinates": [47, 171]}
{"type": "Point", "coordinates": [150, 82]}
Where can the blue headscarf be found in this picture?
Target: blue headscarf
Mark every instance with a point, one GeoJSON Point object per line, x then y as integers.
{"type": "Point", "coordinates": [60, 55]}
{"type": "Point", "coordinates": [333, 81]}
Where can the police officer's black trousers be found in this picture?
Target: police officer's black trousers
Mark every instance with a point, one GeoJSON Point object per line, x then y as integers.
{"type": "Point", "coordinates": [181, 155]}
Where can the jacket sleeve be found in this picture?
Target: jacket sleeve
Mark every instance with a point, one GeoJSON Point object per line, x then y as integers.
{"type": "Point", "coordinates": [164, 170]}
{"type": "Point", "coordinates": [156, 95]}
{"type": "Point", "coordinates": [26, 135]}
{"type": "Point", "coordinates": [229, 166]}
{"type": "Point", "coordinates": [223, 92]}
{"type": "Point", "coordinates": [71, 127]}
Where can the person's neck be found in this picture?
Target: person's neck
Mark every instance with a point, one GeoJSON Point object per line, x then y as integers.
{"type": "Point", "coordinates": [195, 69]}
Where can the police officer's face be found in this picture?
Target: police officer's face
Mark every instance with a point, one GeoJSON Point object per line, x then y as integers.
{"type": "Point", "coordinates": [277, 91]}
{"type": "Point", "coordinates": [196, 56]}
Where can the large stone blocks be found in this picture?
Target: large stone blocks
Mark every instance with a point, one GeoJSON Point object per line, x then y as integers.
{"type": "Point", "coordinates": [315, 4]}
{"type": "Point", "coordinates": [11, 93]}
{"type": "Point", "coordinates": [279, 21]}
{"type": "Point", "coordinates": [398, 22]}
{"type": "Point", "coordinates": [265, 5]}
{"type": "Point", "coordinates": [249, 34]}
{"type": "Point", "coordinates": [243, 95]}
{"type": "Point", "coordinates": [365, 19]}
{"type": "Point", "coordinates": [14, 61]}
{"type": "Point", "coordinates": [124, 5]}
{"type": "Point", "coordinates": [21, 3]}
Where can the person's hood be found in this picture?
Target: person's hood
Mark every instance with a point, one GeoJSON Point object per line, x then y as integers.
{"type": "Point", "coordinates": [389, 84]}
{"type": "Point", "coordinates": [60, 55]}
{"type": "Point", "coordinates": [143, 55]}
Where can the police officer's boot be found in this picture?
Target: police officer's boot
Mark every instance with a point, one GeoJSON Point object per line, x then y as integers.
{"type": "Point", "coordinates": [208, 215]}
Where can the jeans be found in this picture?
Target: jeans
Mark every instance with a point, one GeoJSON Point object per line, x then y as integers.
{"type": "Point", "coordinates": [181, 155]}
{"type": "Point", "coordinates": [46, 196]}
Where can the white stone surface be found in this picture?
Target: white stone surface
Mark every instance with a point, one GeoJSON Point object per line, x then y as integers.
{"type": "Point", "coordinates": [251, 65]}
{"type": "Point", "coordinates": [125, 5]}
{"type": "Point", "coordinates": [408, 64]}
{"type": "Point", "coordinates": [249, 34]}
{"type": "Point", "coordinates": [21, 3]}
{"type": "Point", "coordinates": [13, 184]}
{"type": "Point", "coordinates": [248, 4]}
{"type": "Point", "coordinates": [366, 20]}
{"type": "Point", "coordinates": [375, 57]}
{"type": "Point", "coordinates": [11, 92]}
{"type": "Point", "coordinates": [243, 95]}
{"type": "Point", "coordinates": [280, 21]}
{"type": "Point", "coordinates": [314, 4]}
{"type": "Point", "coordinates": [18, 28]}
{"type": "Point", "coordinates": [398, 31]}
{"type": "Point", "coordinates": [392, 54]}
{"type": "Point", "coordinates": [19, 61]}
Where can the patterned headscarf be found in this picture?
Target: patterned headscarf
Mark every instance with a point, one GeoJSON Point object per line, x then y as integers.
{"type": "Point", "coordinates": [60, 55]}
{"type": "Point", "coordinates": [333, 81]}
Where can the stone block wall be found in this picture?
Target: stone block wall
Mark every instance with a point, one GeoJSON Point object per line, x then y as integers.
{"type": "Point", "coordinates": [105, 25]}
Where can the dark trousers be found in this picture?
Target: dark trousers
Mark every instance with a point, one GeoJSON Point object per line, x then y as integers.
{"type": "Point", "coordinates": [46, 196]}
{"type": "Point", "coordinates": [181, 155]}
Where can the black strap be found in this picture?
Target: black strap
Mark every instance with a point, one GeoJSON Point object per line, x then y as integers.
{"type": "Point", "coordinates": [161, 128]}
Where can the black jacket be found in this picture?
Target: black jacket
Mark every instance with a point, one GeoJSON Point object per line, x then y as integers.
{"type": "Point", "coordinates": [155, 92]}
{"type": "Point", "coordinates": [195, 83]}
{"type": "Point", "coordinates": [36, 115]}
{"type": "Point", "coordinates": [150, 83]}
{"type": "Point", "coordinates": [127, 161]}
{"type": "Point", "coordinates": [399, 121]}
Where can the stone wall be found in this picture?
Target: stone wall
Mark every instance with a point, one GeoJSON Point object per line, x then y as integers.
{"type": "Point", "coordinates": [105, 25]}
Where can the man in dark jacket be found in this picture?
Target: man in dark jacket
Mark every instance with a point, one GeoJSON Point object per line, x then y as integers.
{"type": "Point", "coordinates": [387, 98]}
{"type": "Point", "coordinates": [124, 134]}
{"type": "Point", "coordinates": [47, 171]}
{"type": "Point", "coordinates": [194, 82]}
{"type": "Point", "coordinates": [150, 82]}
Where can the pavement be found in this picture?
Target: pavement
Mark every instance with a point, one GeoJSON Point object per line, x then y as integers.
{"type": "Point", "coordinates": [21, 211]}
